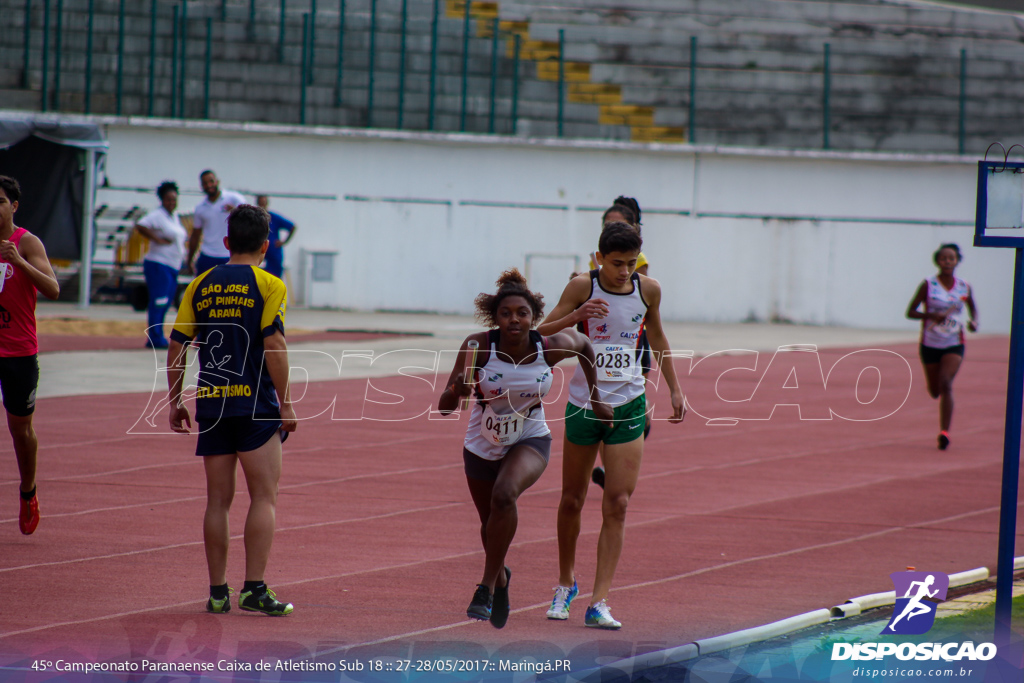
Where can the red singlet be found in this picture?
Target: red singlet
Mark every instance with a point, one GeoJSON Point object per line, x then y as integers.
{"type": "Point", "coordinates": [17, 309]}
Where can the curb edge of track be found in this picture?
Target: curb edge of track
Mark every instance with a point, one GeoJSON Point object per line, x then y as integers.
{"type": "Point", "coordinates": [704, 646]}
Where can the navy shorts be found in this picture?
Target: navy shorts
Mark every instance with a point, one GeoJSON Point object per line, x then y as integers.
{"type": "Point", "coordinates": [19, 378]}
{"type": "Point", "coordinates": [230, 435]}
{"type": "Point", "coordinates": [487, 470]}
{"type": "Point", "coordinates": [930, 354]}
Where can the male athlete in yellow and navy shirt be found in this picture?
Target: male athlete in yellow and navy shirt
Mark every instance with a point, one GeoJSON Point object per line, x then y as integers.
{"type": "Point", "coordinates": [234, 315]}
{"type": "Point", "coordinates": [226, 312]}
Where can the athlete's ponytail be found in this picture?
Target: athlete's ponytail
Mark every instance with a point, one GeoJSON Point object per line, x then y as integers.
{"type": "Point", "coordinates": [510, 283]}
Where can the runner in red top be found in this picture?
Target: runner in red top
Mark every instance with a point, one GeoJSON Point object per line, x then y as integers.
{"type": "Point", "coordinates": [24, 269]}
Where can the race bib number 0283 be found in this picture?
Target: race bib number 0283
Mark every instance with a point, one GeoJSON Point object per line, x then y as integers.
{"type": "Point", "coordinates": [616, 363]}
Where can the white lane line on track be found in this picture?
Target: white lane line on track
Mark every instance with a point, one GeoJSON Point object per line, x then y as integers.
{"type": "Point", "coordinates": [173, 546]}
{"type": "Point", "coordinates": [282, 488]}
{"type": "Point", "coordinates": [726, 565]}
{"type": "Point", "coordinates": [696, 572]}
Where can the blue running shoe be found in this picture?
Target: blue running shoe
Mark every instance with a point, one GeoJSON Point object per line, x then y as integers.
{"type": "Point", "coordinates": [599, 616]}
{"type": "Point", "coordinates": [563, 598]}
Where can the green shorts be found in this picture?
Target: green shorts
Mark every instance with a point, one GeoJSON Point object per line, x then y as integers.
{"type": "Point", "coordinates": [583, 429]}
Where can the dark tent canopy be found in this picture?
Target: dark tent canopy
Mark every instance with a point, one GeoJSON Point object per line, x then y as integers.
{"type": "Point", "coordinates": [47, 156]}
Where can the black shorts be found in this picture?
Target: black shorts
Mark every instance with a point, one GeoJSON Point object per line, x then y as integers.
{"type": "Point", "coordinates": [230, 435]}
{"type": "Point", "coordinates": [19, 378]}
{"type": "Point", "coordinates": [487, 470]}
{"type": "Point", "coordinates": [930, 354]}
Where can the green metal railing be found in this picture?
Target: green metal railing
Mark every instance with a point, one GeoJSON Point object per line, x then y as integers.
{"type": "Point", "coordinates": [370, 63]}
{"type": "Point", "coordinates": [471, 57]}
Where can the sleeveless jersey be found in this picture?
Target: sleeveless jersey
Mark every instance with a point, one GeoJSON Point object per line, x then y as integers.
{"type": "Point", "coordinates": [510, 397]}
{"type": "Point", "coordinates": [617, 346]}
{"type": "Point", "coordinates": [949, 332]}
{"type": "Point", "coordinates": [17, 308]}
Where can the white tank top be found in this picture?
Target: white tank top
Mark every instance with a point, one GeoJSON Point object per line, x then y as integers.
{"type": "Point", "coordinates": [617, 348]}
{"type": "Point", "coordinates": [949, 332]}
{"type": "Point", "coordinates": [509, 401]}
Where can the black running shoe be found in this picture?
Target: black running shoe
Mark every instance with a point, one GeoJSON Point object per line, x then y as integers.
{"type": "Point", "coordinates": [220, 606]}
{"type": "Point", "coordinates": [480, 607]}
{"type": "Point", "coordinates": [501, 607]}
{"type": "Point", "coordinates": [943, 441]}
{"type": "Point", "coordinates": [647, 430]}
{"type": "Point", "coordinates": [266, 602]}
{"type": "Point", "coordinates": [597, 476]}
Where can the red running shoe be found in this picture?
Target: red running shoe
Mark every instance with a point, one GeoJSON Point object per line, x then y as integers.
{"type": "Point", "coordinates": [28, 520]}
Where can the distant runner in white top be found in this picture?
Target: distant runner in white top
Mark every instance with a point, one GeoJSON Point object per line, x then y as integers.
{"type": "Point", "coordinates": [163, 261]}
{"type": "Point", "coordinates": [210, 223]}
{"type": "Point", "coordinates": [947, 301]}
{"type": "Point", "coordinates": [508, 443]}
{"type": "Point", "coordinates": [613, 306]}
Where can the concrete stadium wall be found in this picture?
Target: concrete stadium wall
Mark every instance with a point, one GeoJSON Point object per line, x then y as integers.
{"type": "Point", "coordinates": [426, 221]}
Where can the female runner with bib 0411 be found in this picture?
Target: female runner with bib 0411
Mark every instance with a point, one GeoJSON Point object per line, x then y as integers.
{"type": "Point", "coordinates": [508, 442]}
{"type": "Point", "coordinates": [942, 330]}
{"type": "Point", "coordinates": [614, 305]}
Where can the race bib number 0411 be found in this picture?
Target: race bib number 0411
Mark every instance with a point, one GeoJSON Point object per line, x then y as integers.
{"type": "Point", "coordinates": [501, 430]}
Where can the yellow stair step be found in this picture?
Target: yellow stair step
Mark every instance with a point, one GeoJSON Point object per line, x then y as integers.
{"type": "Point", "coordinates": [599, 98]}
{"type": "Point", "coordinates": [455, 9]}
{"type": "Point", "coordinates": [595, 88]}
{"type": "Point", "coordinates": [658, 134]}
{"type": "Point", "coordinates": [574, 71]}
{"type": "Point", "coordinates": [533, 49]}
{"type": "Point", "coordinates": [506, 29]}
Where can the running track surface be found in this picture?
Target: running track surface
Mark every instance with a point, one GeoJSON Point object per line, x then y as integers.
{"type": "Point", "coordinates": [378, 541]}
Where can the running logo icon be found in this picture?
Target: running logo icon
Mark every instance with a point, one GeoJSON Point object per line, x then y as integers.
{"type": "Point", "coordinates": [914, 612]}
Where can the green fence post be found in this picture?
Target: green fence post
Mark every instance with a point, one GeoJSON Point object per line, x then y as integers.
{"type": "Point", "coordinates": [433, 69]}
{"type": "Point", "coordinates": [826, 103]}
{"type": "Point", "coordinates": [223, 10]}
{"type": "Point", "coordinates": [693, 90]}
{"type": "Point", "coordinates": [206, 67]}
{"type": "Point", "coordinates": [561, 80]}
{"type": "Point", "coordinates": [57, 48]}
{"type": "Point", "coordinates": [369, 85]}
{"type": "Point", "coordinates": [252, 19]}
{"type": "Point", "coordinates": [515, 83]}
{"type": "Point", "coordinates": [183, 53]}
{"type": "Point", "coordinates": [27, 41]}
{"type": "Point", "coordinates": [152, 57]}
{"type": "Point", "coordinates": [46, 52]}
{"type": "Point", "coordinates": [174, 62]}
{"type": "Point", "coordinates": [962, 128]}
{"type": "Point", "coordinates": [341, 53]}
{"type": "Point", "coordinates": [120, 58]}
{"type": "Point", "coordinates": [494, 75]}
{"type": "Point", "coordinates": [465, 64]}
{"type": "Point", "coordinates": [305, 60]}
{"type": "Point", "coordinates": [312, 40]}
{"type": "Point", "coordinates": [401, 63]}
{"type": "Point", "coordinates": [88, 57]}
{"type": "Point", "coordinates": [280, 34]}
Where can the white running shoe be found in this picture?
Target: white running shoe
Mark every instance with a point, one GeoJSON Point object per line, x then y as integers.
{"type": "Point", "coordinates": [599, 616]}
{"type": "Point", "coordinates": [563, 598]}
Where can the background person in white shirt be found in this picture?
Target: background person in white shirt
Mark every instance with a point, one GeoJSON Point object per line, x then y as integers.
{"type": "Point", "coordinates": [210, 224]}
{"type": "Point", "coordinates": [167, 238]}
